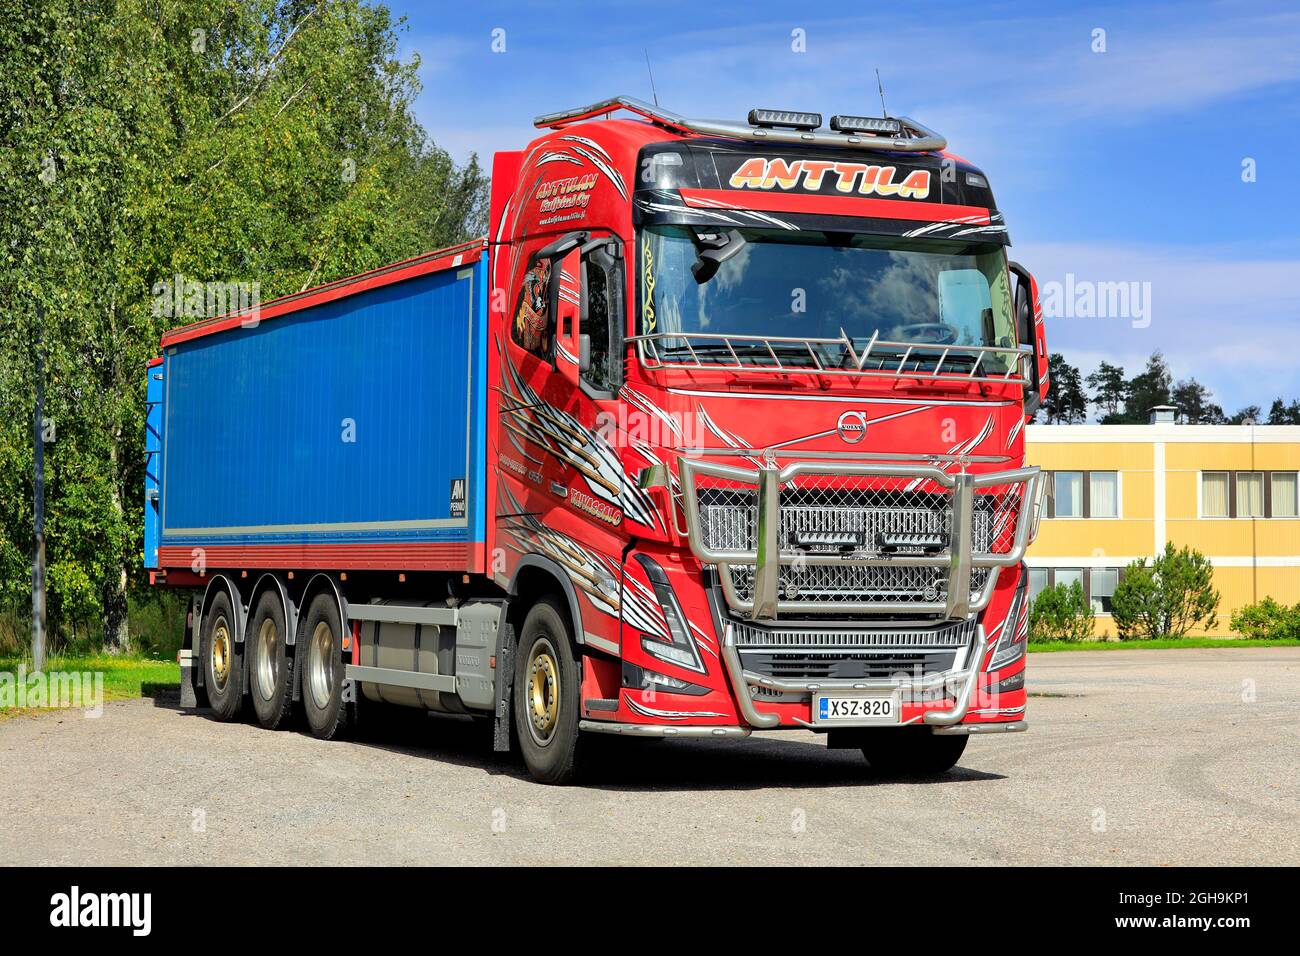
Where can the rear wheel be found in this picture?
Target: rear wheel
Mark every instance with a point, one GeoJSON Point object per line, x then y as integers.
{"type": "Point", "coordinates": [223, 664]}
{"type": "Point", "coordinates": [912, 751]}
{"type": "Point", "coordinates": [270, 668]}
{"type": "Point", "coordinates": [546, 695]}
{"type": "Point", "coordinates": [320, 641]}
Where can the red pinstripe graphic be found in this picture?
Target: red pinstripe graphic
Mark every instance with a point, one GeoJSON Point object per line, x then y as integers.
{"type": "Point", "coordinates": [440, 556]}
{"type": "Point", "coordinates": [453, 257]}
{"type": "Point", "coordinates": [837, 206]}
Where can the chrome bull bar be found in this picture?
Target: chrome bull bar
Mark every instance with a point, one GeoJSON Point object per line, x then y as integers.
{"type": "Point", "coordinates": [768, 555]}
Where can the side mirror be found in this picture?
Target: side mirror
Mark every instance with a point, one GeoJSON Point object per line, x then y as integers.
{"type": "Point", "coordinates": [1030, 331]}
{"type": "Point", "coordinates": [556, 252]}
{"type": "Point", "coordinates": [584, 352]}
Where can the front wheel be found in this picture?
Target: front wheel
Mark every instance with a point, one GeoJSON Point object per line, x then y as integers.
{"type": "Point", "coordinates": [546, 695]}
{"type": "Point", "coordinates": [912, 751]}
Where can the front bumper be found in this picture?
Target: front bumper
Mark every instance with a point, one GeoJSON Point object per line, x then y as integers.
{"type": "Point", "coordinates": [744, 682]}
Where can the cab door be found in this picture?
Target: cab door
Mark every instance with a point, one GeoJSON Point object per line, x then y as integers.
{"type": "Point", "coordinates": [562, 483]}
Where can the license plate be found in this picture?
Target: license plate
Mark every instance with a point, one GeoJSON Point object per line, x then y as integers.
{"type": "Point", "coordinates": [837, 708]}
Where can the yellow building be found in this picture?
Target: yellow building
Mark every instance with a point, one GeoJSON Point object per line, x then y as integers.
{"type": "Point", "coordinates": [1119, 492]}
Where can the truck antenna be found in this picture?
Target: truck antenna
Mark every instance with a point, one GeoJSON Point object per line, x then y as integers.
{"type": "Point", "coordinates": [881, 87]}
{"type": "Point", "coordinates": [653, 93]}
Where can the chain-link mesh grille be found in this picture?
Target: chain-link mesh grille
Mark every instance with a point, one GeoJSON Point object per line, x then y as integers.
{"type": "Point", "coordinates": [837, 583]}
{"type": "Point", "coordinates": [850, 514]}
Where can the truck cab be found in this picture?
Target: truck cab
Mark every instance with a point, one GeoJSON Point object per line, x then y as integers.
{"type": "Point", "coordinates": [762, 395]}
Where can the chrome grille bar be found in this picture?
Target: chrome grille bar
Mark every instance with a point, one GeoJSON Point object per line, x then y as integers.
{"type": "Point", "coordinates": [927, 542]}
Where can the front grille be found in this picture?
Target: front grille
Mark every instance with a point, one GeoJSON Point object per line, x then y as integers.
{"type": "Point", "coordinates": [761, 636]}
{"type": "Point", "coordinates": [888, 516]}
{"type": "Point", "coordinates": [729, 517]}
{"type": "Point", "coordinates": [848, 666]}
{"type": "Point", "coordinates": [810, 653]}
{"type": "Point", "coordinates": [900, 584]}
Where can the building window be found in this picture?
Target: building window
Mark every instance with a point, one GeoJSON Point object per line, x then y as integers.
{"type": "Point", "coordinates": [1098, 584]}
{"type": "Point", "coordinates": [1067, 494]}
{"type": "Point", "coordinates": [1037, 582]}
{"type": "Point", "coordinates": [1250, 494]}
{"type": "Point", "coordinates": [1068, 576]}
{"type": "Point", "coordinates": [1084, 494]}
{"type": "Point", "coordinates": [1283, 494]}
{"type": "Point", "coordinates": [1103, 494]}
{"type": "Point", "coordinates": [1101, 587]}
{"type": "Point", "coordinates": [1214, 494]}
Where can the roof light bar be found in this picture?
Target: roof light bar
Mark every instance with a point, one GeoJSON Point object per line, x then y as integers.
{"type": "Point", "coordinates": [913, 138]}
{"type": "Point", "coordinates": [786, 119]}
{"type": "Point", "coordinates": [867, 124]}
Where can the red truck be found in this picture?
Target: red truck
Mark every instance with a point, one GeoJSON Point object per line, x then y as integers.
{"type": "Point", "coordinates": [720, 429]}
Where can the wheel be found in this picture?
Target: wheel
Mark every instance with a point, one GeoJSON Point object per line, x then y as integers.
{"type": "Point", "coordinates": [912, 751]}
{"type": "Point", "coordinates": [320, 642]}
{"type": "Point", "coordinates": [270, 668]}
{"type": "Point", "coordinates": [223, 664]}
{"type": "Point", "coordinates": [546, 695]}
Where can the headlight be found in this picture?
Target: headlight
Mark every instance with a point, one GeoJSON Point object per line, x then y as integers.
{"type": "Point", "coordinates": [679, 646]}
{"type": "Point", "coordinates": [1015, 631]}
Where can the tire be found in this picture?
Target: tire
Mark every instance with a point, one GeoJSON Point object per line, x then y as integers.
{"type": "Point", "coordinates": [223, 661]}
{"type": "Point", "coordinates": [912, 751]}
{"type": "Point", "coordinates": [270, 666]}
{"type": "Point", "coordinates": [320, 647]}
{"type": "Point", "coordinates": [546, 696]}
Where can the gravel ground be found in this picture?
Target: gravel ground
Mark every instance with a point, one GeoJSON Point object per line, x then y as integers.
{"type": "Point", "coordinates": [1132, 757]}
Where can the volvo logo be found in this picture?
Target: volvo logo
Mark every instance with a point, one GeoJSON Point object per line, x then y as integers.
{"type": "Point", "coordinates": [852, 427]}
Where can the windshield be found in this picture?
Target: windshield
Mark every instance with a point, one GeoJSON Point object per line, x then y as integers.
{"type": "Point", "coordinates": [807, 284]}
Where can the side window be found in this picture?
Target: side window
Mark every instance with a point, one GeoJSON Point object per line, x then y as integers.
{"type": "Point", "coordinates": [602, 314]}
{"type": "Point", "coordinates": [531, 328]}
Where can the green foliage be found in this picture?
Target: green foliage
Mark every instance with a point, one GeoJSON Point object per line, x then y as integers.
{"type": "Point", "coordinates": [1061, 613]}
{"type": "Point", "coordinates": [265, 141]}
{"type": "Point", "coordinates": [1067, 403]}
{"type": "Point", "coordinates": [1267, 620]}
{"type": "Point", "coordinates": [1280, 413]}
{"type": "Point", "coordinates": [1169, 597]}
{"type": "Point", "coordinates": [1110, 388]}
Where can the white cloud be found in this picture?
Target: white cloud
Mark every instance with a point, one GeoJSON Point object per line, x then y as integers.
{"type": "Point", "coordinates": [1230, 320]}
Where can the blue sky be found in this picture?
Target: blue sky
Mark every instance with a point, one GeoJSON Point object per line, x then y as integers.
{"type": "Point", "coordinates": [1115, 166]}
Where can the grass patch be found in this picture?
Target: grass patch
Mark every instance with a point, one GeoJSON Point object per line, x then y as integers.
{"type": "Point", "coordinates": [1156, 645]}
{"type": "Point", "coordinates": [125, 676]}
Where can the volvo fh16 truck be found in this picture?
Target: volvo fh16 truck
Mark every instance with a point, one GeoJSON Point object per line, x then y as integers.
{"type": "Point", "coordinates": [720, 429]}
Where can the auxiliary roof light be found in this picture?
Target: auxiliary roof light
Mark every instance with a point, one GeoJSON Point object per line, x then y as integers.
{"type": "Point", "coordinates": [788, 119]}
{"type": "Point", "coordinates": [867, 124]}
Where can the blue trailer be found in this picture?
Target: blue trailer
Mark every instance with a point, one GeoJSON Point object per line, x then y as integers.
{"type": "Point", "coordinates": [341, 429]}
{"type": "Point", "coordinates": [302, 460]}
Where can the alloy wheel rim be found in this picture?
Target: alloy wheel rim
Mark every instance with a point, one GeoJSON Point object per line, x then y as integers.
{"type": "Point", "coordinates": [320, 672]}
{"type": "Point", "coordinates": [220, 653]}
{"type": "Point", "coordinates": [266, 659]}
{"type": "Point", "coordinates": [543, 693]}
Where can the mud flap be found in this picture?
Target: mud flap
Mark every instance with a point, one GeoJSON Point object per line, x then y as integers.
{"type": "Point", "coordinates": [502, 720]}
